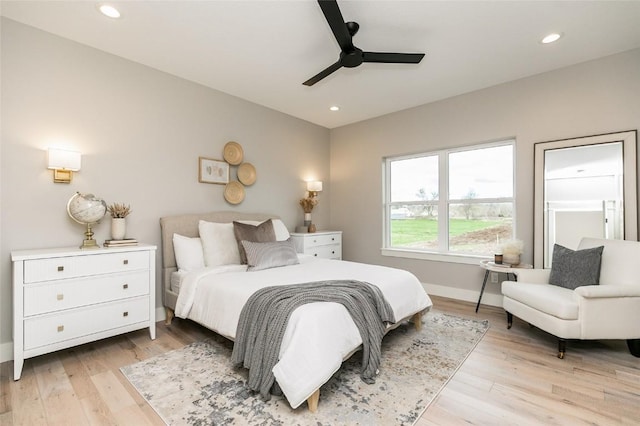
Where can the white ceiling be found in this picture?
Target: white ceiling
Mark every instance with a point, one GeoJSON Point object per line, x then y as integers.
{"type": "Point", "coordinates": [262, 51]}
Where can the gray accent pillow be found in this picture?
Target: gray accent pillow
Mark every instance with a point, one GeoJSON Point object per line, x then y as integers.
{"type": "Point", "coordinates": [270, 255]}
{"type": "Point", "coordinates": [262, 233]}
{"type": "Point", "coordinates": [572, 269]}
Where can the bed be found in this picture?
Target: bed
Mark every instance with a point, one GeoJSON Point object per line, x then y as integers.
{"type": "Point", "coordinates": [318, 337]}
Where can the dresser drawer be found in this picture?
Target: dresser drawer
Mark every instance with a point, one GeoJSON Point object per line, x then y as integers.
{"type": "Point", "coordinates": [52, 296]}
{"type": "Point", "coordinates": [57, 268]}
{"type": "Point", "coordinates": [321, 240]}
{"type": "Point", "coordinates": [327, 252]}
{"type": "Point", "coordinates": [49, 329]}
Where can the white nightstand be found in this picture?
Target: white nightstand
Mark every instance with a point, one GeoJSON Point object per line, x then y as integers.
{"type": "Point", "coordinates": [66, 297]}
{"type": "Point", "coordinates": [326, 244]}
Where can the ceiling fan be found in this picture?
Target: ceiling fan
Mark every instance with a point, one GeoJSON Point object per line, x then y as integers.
{"type": "Point", "coordinates": [351, 56]}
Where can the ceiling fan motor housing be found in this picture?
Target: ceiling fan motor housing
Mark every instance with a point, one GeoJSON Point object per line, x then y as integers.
{"type": "Point", "coordinates": [352, 58]}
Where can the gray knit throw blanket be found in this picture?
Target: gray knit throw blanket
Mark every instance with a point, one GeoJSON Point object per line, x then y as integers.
{"type": "Point", "coordinates": [264, 318]}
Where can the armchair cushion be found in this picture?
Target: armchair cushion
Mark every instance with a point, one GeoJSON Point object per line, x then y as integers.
{"type": "Point", "coordinates": [552, 300]}
{"type": "Point", "coordinates": [574, 268]}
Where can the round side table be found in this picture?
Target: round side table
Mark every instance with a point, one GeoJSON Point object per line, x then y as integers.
{"type": "Point", "coordinates": [490, 266]}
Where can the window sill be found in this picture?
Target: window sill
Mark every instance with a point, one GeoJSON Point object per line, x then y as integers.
{"type": "Point", "coordinates": [467, 259]}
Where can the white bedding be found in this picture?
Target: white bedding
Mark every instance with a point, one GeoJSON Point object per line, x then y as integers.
{"type": "Point", "coordinates": [319, 335]}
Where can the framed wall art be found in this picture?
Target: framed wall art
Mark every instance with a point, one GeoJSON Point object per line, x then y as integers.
{"type": "Point", "coordinates": [211, 170]}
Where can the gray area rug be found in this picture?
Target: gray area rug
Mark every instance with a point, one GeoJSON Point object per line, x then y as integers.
{"type": "Point", "coordinates": [197, 385]}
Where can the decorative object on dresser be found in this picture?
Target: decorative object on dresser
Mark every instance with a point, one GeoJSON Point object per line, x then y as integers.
{"type": "Point", "coordinates": [87, 209]}
{"type": "Point", "coordinates": [198, 383]}
{"type": "Point", "coordinates": [308, 203]}
{"type": "Point", "coordinates": [326, 244]}
{"type": "Point", "coordinates": [64, 297]}
{"type": "Point", "coordinates": [121, 243]}
{"type": "Point", "coordinates": [118, 214]}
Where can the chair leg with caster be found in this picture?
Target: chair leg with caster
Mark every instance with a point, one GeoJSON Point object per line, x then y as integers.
{"type": "Point", "coordinates": [562, 347]}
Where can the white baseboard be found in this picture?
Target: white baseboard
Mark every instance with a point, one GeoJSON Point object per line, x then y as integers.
{"type": "Point", "coordinates": [490, 299]}
{"type": "Point", "coordinates": [6, 349]}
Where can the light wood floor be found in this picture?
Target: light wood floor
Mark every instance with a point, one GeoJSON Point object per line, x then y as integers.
{"type": "Point", "coordinates": [512, 377]}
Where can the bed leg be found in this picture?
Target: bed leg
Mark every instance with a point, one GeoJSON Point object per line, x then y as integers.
{"type": "Point", "coordinates": [169, 316]}
{"type": "Point", "coordinates": [417, 321]}
{"type": "Point", "coordinates": [312, 401]}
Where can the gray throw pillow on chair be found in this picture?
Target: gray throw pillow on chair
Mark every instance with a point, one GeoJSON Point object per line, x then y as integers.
{"type": "Point", "coordinates": [575, 268]}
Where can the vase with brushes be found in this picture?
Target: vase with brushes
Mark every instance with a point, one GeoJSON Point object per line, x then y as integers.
{"type": "Point", "coordinates": [307, 205]}
{"type": "Point", "coordinates": [118, 212]}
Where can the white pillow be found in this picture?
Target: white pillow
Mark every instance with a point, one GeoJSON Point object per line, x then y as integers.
{"type": "Point", "coordinates": [188, 252]}
{"type": "Point", "coordinates": [281, 231]}
{"type": "Point", "coordinates": [218, 243]}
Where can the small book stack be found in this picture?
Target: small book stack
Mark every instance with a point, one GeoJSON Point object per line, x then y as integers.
{"type": "Point", "coordinates": [121, 243]}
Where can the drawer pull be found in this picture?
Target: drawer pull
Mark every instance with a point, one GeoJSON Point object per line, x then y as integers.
{"type": "Point", "coordinates": [315, 254]}
{"type": "Point", "coordinates": [60, 328]}
{"type": "Point", "coordinates": [333, 252]}
{"type": "Point", "coordinates": [125, 286]}
{"type": "Point", "coordinates": [60, 268]}
{"type": "Point", "coordinates": [126, 261]}
{"type": "Point", "coordinates": [125, 314]}
{"type": "Point", "coordinates": [60, 296]}
{"type": "Point", "coordinates": [333, 239]}
{"type": "Point", "coordinates": [315, 241]}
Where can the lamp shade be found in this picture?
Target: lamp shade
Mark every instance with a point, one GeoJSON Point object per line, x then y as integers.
{"type": "Point", "coordinates": [63, 159]}
{"type": "Point", "coordinates": [314, 186]}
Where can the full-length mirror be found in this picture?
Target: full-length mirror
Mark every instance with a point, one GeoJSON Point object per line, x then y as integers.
{"type": "Point", "coordinates": [584, 187]}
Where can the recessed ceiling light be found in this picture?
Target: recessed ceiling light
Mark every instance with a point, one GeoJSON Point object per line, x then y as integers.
{"type": "Point", "coordinates": [109, 11]}
{"type": "Point", "coordinates": [551, 38]}
{"type": "Point", "coordinates": [334, 108]}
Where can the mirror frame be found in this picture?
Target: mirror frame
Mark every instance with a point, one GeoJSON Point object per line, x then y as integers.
{"type": "Point", "coordinates": [629, 161]}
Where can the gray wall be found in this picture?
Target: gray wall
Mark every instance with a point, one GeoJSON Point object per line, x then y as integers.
{"type": "Point", "coordinates": [597, 97]}
{"type": "Point", "coordinates": [140, 132]}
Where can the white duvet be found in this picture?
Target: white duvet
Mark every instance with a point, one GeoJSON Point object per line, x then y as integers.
{"type": "Point", "coordinates": [319, 335]}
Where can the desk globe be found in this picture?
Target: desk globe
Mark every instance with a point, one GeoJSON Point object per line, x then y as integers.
{"type": "Point", "coordinates": [87, 209]}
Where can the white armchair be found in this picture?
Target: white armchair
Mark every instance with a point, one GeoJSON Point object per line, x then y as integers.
{"type": "Point", "coordinates": [610, 310]}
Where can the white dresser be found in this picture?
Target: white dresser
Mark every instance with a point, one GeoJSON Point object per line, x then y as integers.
{"type": "Point", "coordinates": [66, 297]}
{"type": "Point", "coordinates": [326, 244]}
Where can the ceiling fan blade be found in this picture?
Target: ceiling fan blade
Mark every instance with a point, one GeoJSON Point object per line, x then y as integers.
{"type": "Point", "coordinates": [322, 74]}
{"type": "Point", "coordinates": [392, 58]}
{"type": "Point", "coordinates": [336, 22]}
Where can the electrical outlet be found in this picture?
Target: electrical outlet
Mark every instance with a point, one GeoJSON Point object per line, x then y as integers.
{"type": "Point", "coordinates": [494, 277]}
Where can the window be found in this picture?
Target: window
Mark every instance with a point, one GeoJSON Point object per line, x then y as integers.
{"type": "Point", "coordinates": [457, 201]}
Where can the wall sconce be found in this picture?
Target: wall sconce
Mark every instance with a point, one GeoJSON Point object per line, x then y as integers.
{"type": "Point", "coordinates": [63, 163]}
{"type": "Point", "coordinates": [314, 187]}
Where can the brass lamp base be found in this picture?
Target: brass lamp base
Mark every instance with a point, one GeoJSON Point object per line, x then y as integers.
{"type": "Point", "coordinates": [89, 242]}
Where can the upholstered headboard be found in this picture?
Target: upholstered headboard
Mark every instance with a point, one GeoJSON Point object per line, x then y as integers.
{"type": "Point", "coordinates": [187, 225]}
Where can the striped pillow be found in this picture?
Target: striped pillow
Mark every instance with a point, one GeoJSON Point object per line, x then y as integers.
{"type": "Point", "coordinates": [269, 255]}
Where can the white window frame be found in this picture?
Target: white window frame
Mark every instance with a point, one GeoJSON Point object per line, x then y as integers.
{"type": "Point", "coordinates": [441, 254]}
